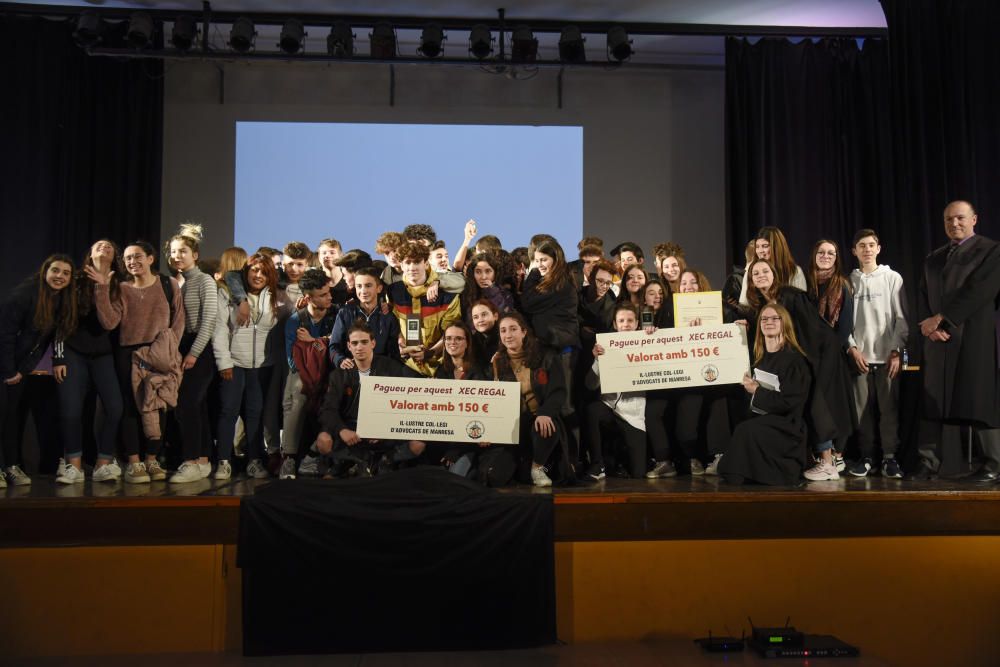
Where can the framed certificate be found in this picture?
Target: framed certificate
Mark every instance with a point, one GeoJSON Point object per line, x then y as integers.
{"type": "Point", "coordinates": [697, 309]}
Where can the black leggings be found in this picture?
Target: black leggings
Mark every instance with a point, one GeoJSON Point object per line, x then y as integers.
{"type": "Point", "coordinates": [533, 445]}
{"type": "Point", "coordinates": [192, 404]}
{"type": "Point", "coordinates": [34, 394]}
{"type": "Point", "coordinates": [598, 414]}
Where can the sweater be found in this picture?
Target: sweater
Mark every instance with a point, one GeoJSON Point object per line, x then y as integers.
{"type": "Point", "coordinates": [139, 313]}
{"type": "Point", "coordinates": [201, 307]}
{"type": "Point", "coordinates": [242, 346]}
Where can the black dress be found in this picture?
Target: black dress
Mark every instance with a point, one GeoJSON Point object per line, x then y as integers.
{"type": "Point", "coordinates": [771, 448]}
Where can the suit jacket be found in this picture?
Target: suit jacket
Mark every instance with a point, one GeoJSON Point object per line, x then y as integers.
{"type": "Point", "coordinates": [961, 379]}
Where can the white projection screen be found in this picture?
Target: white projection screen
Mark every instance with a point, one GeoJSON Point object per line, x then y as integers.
{"type": "Point", "coordinates": [352, 181]}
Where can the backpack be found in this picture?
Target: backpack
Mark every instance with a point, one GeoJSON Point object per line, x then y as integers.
{"type": "Point", "coordinates": [168, 291]}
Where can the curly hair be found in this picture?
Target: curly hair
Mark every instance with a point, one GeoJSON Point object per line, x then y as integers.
{"type": "Point", "coordinates": [531, 349]}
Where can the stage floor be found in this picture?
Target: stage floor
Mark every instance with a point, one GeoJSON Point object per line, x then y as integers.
{"type": "Point", "coordinates": [207, 512]}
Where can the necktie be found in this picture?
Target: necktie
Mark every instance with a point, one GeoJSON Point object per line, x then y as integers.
{"type": "Point", "coordinates": [951, 251]}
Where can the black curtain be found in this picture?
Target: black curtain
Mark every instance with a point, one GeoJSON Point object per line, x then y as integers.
{"type": "Point", "coordinates": [946, 111]}
{"type": "Point", "coordinates": [809, 144]}
{"type": "Point", "coordinates": [82, 144]}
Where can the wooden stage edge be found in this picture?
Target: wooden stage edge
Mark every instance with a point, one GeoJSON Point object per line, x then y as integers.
{"type": "Point", "coordinates": [49, 515]}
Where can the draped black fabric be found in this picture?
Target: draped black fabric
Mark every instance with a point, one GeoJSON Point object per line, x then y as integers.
{"type": "Point", "coordinates": [82, 144]}
{"type": "Point", "coordinates": [946, 111]}
{"type": "Point", "coordinates": [418, 560]}
{"type": "Point", "coordinates": [809, 143]}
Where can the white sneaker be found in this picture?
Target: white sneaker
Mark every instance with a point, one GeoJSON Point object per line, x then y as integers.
{"type": "Point", "coordinates": [713, 467]}
{"type": "Point", "coordinates": [223, 470]}
{"type": "Point", "coordinates": [136, 473]}
{"type": "Point", "coordinates": [287, 468]}
{"type": "Point", "coordinates": [662, 469]}
{"type": "Point", "coordinates": [155, 471]}
{"type": "Point", "coordinates": [697, 468]}
{"type": "Point", "coordinates": [539, 478]}
{"type": "Point", "coordinates": [189, 471]}
{"type": "Point", "coordinates": [822, 471]}
{"type": "Point", "coordinates": [3, 481]}
{"type": "Point", "coordinates": [205, 468]}
{"type": "Point", "coordinates": [257, 470]}
{"type": "Point", "coordinates": [70, 474]}
{"type": "Point", "coordinates": [17, 477]}
{"type": "Point", "coordinates": [109, 472]}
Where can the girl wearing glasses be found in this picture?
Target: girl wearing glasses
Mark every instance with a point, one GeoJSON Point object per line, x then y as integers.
{"type": "Point", "coordinates": [770, 447]}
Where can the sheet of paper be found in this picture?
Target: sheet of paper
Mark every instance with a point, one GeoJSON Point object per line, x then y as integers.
{"type": "Point", "coordinates": [702, 309]}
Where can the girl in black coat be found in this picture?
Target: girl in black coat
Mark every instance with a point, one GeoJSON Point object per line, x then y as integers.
{"type": "Point", "coordinates": [543, 392]}
{"type": "Point", "coordinates": [770, 447]}
{"type": "Point", "coordinates": [39, 311]}
{"type": "Point", "coordinates": [830, 407]}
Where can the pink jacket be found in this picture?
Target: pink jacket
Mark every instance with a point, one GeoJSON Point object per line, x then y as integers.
{"type": "Point", "coordinates": [156, 379]}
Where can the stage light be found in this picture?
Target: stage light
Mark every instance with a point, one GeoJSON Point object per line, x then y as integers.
{"type": "Point", "coordinates": [619, 45]}
{"type": "Point", "coordinates": [293, 37]}
{"type": "Point", "coordinates": [382, 39]}
{"type": "Point", "coordinates": [571, 45]}
{"type": "Point", "coordinates": [184, 32]}
{"type": "Point", "coordinates": [88, 30]}
{"type": "Point", "coordinates": [242, 36]}
{"type": "Point", "coordinates": [480, 41]}
{"type": "Point", "coordinates": [523, 45]}
{"type": "Point", "coordinates": [340, 41]}
{"type": "Point", "coordinates": [140, 30]}
{"type": "Point", "coordinates": [432, 40]}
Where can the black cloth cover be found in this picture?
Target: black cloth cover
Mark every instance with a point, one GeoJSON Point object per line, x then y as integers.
{"type": "Point", "coordinates": [420, 559]}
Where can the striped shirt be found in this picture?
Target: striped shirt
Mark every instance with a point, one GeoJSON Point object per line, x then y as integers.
{"type": "Point", "coordinates": [201, 308]}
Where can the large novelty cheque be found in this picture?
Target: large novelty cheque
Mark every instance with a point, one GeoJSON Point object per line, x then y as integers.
{"type": "Point", "coordinates": [448, 410]}
{"type": "Point", "coordinates": [671, 358]}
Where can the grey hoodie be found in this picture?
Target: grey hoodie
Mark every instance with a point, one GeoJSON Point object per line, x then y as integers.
{"type": "Point", "coordinates": [879, 318]}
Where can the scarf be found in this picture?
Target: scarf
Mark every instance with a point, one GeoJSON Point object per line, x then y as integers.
{"type": "Point", "coordinates": [829, 304]}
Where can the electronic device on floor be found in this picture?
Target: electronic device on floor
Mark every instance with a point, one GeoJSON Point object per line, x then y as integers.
{"type": "Point", "coordinates": [720, 644]}
{"type": "Point", "coordinates": [787, 642]}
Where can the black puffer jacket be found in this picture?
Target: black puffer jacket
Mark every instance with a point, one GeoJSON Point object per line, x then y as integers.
{"type": "Point", "coordinates": [21, 344]}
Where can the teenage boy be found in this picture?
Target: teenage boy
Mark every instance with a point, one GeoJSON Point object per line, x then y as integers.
{"type": "Point", "coordinates": [296, 263]}
{"type": "Point", "coordinates": [422, 320]}
{"type": "Point", "coordinates": [367, 308]}
{"type": "Point", "coordinates": [875, 348]}
{"type": "Point", "coordinates": [338, 417]}
{"type": "Point", "coordinates": [312, 324]}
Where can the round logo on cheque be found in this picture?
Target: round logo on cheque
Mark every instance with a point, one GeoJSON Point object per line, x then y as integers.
{"type": "Point", "coordinates": [710, 373]}
{"type": "Point", "coordinates": [475, 430]}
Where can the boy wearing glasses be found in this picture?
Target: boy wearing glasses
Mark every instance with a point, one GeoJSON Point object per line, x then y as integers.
{"type": "Point", "coordinates": [875, 348]}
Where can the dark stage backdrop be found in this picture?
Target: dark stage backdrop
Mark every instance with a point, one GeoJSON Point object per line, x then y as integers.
{"type": "Point", "coordinates": [946, 111]}
{"type": "Point", "coordinates": [81, 143]}
{"type": "Point", "coordinates": [809, 144]}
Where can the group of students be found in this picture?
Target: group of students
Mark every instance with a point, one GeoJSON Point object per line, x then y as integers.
{"type": "Point", "coordinates": [277, 341]}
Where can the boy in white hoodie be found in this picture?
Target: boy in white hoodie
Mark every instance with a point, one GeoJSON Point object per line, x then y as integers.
{"type": "Point", "coordinates": [875, 349]}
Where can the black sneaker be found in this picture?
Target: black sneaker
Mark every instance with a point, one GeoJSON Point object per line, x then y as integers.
{"type": "Point", "coordinates": [860, 468]}
{"type": "Point", "coordinates": [891, 469]}
{"type": "Point", "coordinates": [596, 472]}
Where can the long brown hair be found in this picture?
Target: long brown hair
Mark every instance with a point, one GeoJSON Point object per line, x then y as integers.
{"type": "Point", "coordinates": [468, 359]}
{"type": "Point", "coordinates": [623, 294]}
{"type": "Point", "coordinates": [472, 292]}
{"type": "Point", "coordinates": [787, 330]}
{"type": "Point", "coordinates": [782, 262]}
{"type": "Point", "coordinates": [559, 276]}
{"type": "Point", "coordinates": [270, 275]}
{"type": "Point", "coordinates": [56, 312]}
{"type": "Point", "coordinates": [85, 288]}
{"type": "Point", "coordinates": [531, 350]}
{"type": "Point", "coordinates": [837, 281]}
{"type": "Point", "coordinates": [754, 295]}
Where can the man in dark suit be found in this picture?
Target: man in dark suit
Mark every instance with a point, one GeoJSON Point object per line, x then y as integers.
{"type": "Point", "coordinates": [959, 300]}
